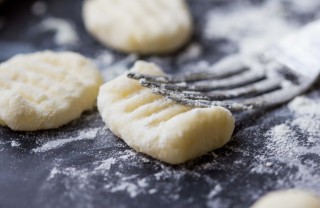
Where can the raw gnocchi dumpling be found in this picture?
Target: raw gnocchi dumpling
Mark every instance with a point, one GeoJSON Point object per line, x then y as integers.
{"type": "Point", "coordinates": [46, 90]}
{"type": "Point", "coordinates": [288, 199]}
{"type": "Point", "coordinates": [158, 127]}
{"type": "Point", "coordinates": [140, 26]}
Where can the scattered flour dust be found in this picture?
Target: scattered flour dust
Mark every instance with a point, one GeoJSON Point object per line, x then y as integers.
{"type": "Point", "coordinates": [305, 6]}
{"type": "Point", "coordinates": [106, 164]}
{"type": "Point", "coordinates": [110, 68]}
{"type": "Point", "coordinates": [305, 106]}
{"type": "Point", "coordinates": [133, 185]}
{"type": "Point", "coordinates": [65, 33]}
{"type": "Point", "coordinates": [15, 143]}
{"type": "Point", "coordinates": [82, 135]}
{"type": "Point", "coordinates": [283, 140]}
{"type": "Point", "coordinates": [285, 143]}
{"type": "Point", "coordinates": [104, 59]}
{"type": "Point", "coordinates": [211, 200]}
{"type": "Point", "coordinates": [306, 119]}
{"type": "Point", "coordinates": [251, 28]}
{"type": "Point", "coordinates": [214, 191]}
{"type": "Point", "coordinates": [132, 188]}
{"type": "Point", "coordinates": [192, 52]}
{"type": "Point", "coordinates": [119, 178]}
{"type": "Point", "coordinates": [307, 113]}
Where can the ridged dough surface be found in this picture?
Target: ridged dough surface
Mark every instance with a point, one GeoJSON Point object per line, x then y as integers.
{"type": "Point", "coordinates": [46, 90]}
{"type": "Point", "coordinates": [140, 26]}
{"type": "Point", "coordinates": [288, 199]}
{"type": "Point", "coordinates": [158, 127]}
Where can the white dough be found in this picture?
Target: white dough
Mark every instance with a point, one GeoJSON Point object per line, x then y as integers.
{"type": "Point", "coordinates": [46, 90]}
{"type": "Point", "coordinates": [288, 199]}
{"type": "Point", "coordinates": [140, 26]}
{"type": "Point", "coordinates": [156, 126]}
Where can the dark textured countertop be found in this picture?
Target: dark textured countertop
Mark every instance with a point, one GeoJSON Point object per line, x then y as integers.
{"type": "Point", "coordinates": [84, 165]}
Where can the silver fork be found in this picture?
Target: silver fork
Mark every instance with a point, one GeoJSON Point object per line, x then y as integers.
{"type": "Point", "coordinates": [274, 77]}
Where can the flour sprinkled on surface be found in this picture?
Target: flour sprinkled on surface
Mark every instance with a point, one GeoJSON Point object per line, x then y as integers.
{"type": "Point", "coordinates": [305, 106]}
{"type": "Point", "coordinates": [65, 33]}
{"type": "Point", "coordinates": [82, 135]}
{"type": "Point", "coordinates": [117, 68]}
{"type": "Point", "coordinates": [105, 165]}
{"type": "Point", "coordinates": [296, 143]}
{"type": "Point", "coordinates": [304, 7]}
{"type": "Point", "coordinates": [104, 59]}
{"type": "Point", "coordinates": [15, 143]}
{"type": "Point", "coordinates": [193, 51]}
{"type": "Point", "coordinates": [251, 28]}
{"type": "Point", "coordinates": [307, 118]}
{"type": "Point", "coordinates": [282, 140]}
{"type": "Point", "coordinates": [214, 191]}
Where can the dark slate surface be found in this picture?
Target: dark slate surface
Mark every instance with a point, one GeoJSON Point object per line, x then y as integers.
{"type": "Point", "coordinates": [89, 167]}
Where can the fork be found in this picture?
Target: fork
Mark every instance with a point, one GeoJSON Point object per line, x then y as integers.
{"type": "Point", "coordinates": [274, 77]}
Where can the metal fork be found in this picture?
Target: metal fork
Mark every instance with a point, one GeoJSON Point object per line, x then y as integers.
{"type": "Point", "coordinates": [272, 78]}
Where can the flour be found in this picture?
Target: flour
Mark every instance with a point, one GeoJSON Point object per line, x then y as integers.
{"type": "Point", "coordinates": [110, 71]}
{"type": "Point", "coordinates": [15, 143]}
{"type": "Point", "coordinates": [65, 33]}
{"type": "Point", "coordinates": [197, 66]}
{"type": "Point", "coordinates": [251, 28]}
{"type": "Point", "coordinates": [106, 164]}
{"type": "Point", "coordinates": [285, 144]}
{"type": "Point", "coordinates": [305, 106]}
{"type": "Point", "coordinates": [131, 184]}
{"type": "Point", "coordinates": [282, 141]}
{"type": "Point", "coordinates": [104, 59]}
{"type": "Point", "coordinates": [304, 7]}
{"type": "Point", "coordinates": [132, 189]}
{"type": "Point", "coordinates": [192, 52]}
{"type": "Point", "coordinates": [307, 113]}
{"type": "Point", "coordinates": [82, 135]}
{"type": "Point", "coordinates": [214, 191]}
{"type": "Point", "coordinates": [152, 191]}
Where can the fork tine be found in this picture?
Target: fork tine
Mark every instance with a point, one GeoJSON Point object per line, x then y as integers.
{"type": "Point", "coordinates": [228, 83]}
{"type": "Point", "coordinates": [233, 106]}
{"type": "Point", "coordinates": [260, 102]}
{"type": "Point", "coordinates": [187, 77]}
{"type": "Point", "coordinates": [247, 91]}
{"type": "Point", "coordinates": [227, 67]}
{"type": "Point", "coordinates": [277, 97]}
{"type": "Point", "coordinates": [263, 101]}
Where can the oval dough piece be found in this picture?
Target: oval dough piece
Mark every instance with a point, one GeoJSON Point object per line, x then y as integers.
{"type": "Point", "coordinates": [46, 90]}
{"type": "Point", "coordinates": [140, 26]}
{"type": "Point", "coordinates": [156, 126]}
{"type": "Point", "coordinates": [288, 199]}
